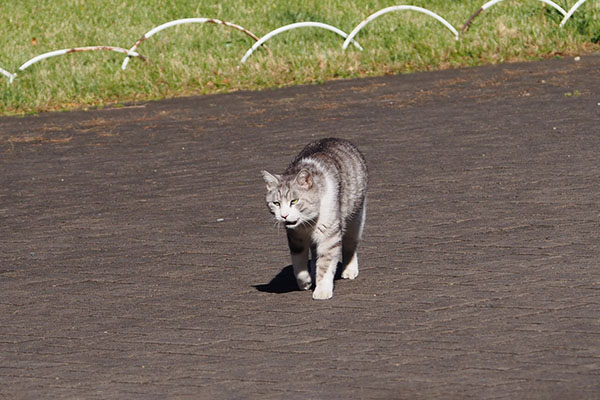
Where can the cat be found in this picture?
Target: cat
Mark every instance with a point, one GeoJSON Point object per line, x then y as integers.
{"type": "Point", "coordinates": [320, 199]}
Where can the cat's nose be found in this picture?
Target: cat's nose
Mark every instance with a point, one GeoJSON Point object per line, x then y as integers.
{"type": "Point", "coordinates": [284, 216]}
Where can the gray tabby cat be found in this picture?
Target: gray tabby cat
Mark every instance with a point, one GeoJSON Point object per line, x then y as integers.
{"type": "Point", "coordinates": [320, 199]}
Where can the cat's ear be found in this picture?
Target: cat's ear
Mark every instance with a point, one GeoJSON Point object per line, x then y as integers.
{"type": "Point", "coordinates": [304, 179]}
{"type": "Point", "coordinates": [271, 180]}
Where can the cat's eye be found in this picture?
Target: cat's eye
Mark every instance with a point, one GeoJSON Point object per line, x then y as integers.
{"type": "Point", "coordinates": [276, 204]}
{"type": "Point", "coordinates": [294, 202]}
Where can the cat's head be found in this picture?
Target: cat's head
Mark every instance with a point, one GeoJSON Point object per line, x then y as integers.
{"type": "Point", "coordinates": [292, 199]}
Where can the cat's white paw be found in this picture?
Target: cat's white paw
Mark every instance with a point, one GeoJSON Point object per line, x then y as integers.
{"type": "Point", "coordinates": [350, 273]}
{"type": "Point", "coordinates": [304, 285]}
{"type": "Point", "coordinates": [323, 292]}
{"type": "Point", "coordinates": [351, 270]}
{"type": "Point", "coordinates": [304, 280]}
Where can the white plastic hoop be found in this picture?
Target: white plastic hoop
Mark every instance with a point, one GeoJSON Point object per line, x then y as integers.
{"type": "Point", "coordinates": [77, 50]}
{"type": "Point", "coordinates": [492, 2]}
{"type": "Point", "coordinates": [9, 75]}
{"type": "Point", "coordinates": [549, 2]}
{"type": "Point", "coordinates": [294, 26]}
{"type": "Point", "coordinates": [571, 11]}
{"type": "Point", "coordinates": [397, 8]}
{"type": "Point", "coordinates": [181, 22]}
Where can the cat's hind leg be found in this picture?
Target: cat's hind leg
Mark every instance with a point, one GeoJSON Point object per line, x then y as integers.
{"type": "Point", "coordinates": [350, 243]}
{"type": "Point", "coordinates": [313, 261]}
{"type": "Point", "coordinates": [299, 247]}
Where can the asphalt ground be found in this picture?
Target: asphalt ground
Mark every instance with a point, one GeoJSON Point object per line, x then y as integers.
{"type": "Point", "coordinates": [138, 259]}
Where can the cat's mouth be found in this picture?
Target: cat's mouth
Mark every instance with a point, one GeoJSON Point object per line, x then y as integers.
{"type": "Point", "coordinates": [290, 224]}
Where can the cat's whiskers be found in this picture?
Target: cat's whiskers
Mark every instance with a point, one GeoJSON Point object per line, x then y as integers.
{"type": "Point", "coordinates": [277, 224]}
{"type": "Point", "coordinates": [310, 223]}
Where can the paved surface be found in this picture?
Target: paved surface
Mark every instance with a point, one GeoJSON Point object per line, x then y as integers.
{"type": "Point", "coordinates": [137, 259]}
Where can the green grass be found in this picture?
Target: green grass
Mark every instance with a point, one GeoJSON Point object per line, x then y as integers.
{"type": "Point", "coordinates": [204, 58]}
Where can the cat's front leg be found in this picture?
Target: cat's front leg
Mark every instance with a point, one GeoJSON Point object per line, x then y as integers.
{"type": "Point", "coordinates": [299, 247]}
{"type": "Point", "coordinates": [329, 254]}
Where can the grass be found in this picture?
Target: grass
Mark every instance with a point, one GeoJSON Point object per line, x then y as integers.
{"type": "Point", "coordinates": [204, 58]}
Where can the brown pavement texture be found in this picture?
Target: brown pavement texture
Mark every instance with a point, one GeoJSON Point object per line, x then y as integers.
{"type": "Point", "coordinates": [138, 260]}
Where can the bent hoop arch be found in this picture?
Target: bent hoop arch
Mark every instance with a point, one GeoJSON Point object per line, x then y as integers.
{"type": "Point", "coordinates": [571, 11]}
{"type": "Point", "coordinates": [492, 2]}
{"type": "Point", "coordinates": [77, 50]}
{"type": "Point", "coordinates": [185, 21]}
{"type": "Point", "coordinates": [9, 75]}
{"type": "Point", "coordinates": [294, 26]}
{"type": "Point", "coordinates": [398, 8]}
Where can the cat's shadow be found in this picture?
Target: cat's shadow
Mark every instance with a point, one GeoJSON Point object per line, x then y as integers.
{"type": "Point", "coordinates": [285, 282]}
